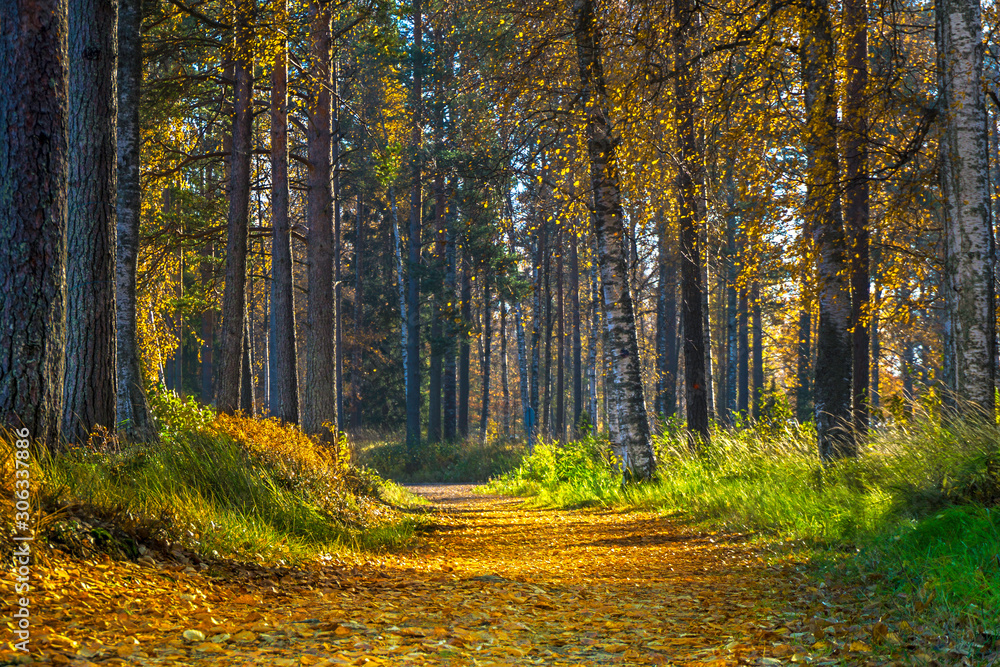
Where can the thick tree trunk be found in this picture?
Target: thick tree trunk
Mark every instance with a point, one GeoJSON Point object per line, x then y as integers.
{"type": "Point", "coordinates": [89, 384]}
{"type": "Point", "coordinates": [284, 391]}
{"type": "Point", "coordinates": [34, 168]}
{"type": "Point", "coordinates": [970, 256]}
{"type": "Point", "coordinates": [822, 209]}
{"type": "Point", "coordinates": [135, 422]}
{"type": "Point", "coordinates": [856, 206]}
{"type": "Point", "coordinates": [319, 397]}
{"type": "Point", "coordinates": [412, 369]}
{"type": "Point", "coordinates": [690, 185]}
{"type": "Point", "coordinates": [630, 436]}
{"type": "Point", "coordinates": [234, 298]}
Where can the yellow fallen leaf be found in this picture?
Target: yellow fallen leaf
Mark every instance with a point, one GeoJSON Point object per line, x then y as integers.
{"type": "Point", "coordinates": [860, 647]}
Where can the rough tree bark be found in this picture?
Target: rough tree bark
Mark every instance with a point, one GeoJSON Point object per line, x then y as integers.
{"type": "Point", "coordinates": [832, 386]}
{"type": "Point", "coordinates": [89, 383]}
{"type": "Point", "coordinates": [234, 297]}
{"type": "Point", "coordinates": [135, 421]}
{"type": "Point", "coordinates": [319, 398]}
{"type": "Point", "coordinates": [630, 436]}
{"type": "Point", "coordinates": [964, 177]}
{"type": "Point", "coordinates": [690, 185]}
{"type": "Point", "coordinates": [33, 174]}
{"type": "Point", "coordinates": [856, 206]}
{"type": "Point", "coordinates": [284, 390]}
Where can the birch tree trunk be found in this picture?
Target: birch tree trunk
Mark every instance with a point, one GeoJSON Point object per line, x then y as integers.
{"type": "Point", "coordinates": [832, 387]}
{"type": "Point", "coordinates": [89, 389]}
{"type": "Point", "coordinates": [319, 398]}
{"type": "Point", "coordinates": [135, 421]}
{"type": "Point", "coordinates": [284, 391]}
{"type": "Point", "coordinates": [34, 81]}
{"type": "Point", "coordinates": [630, 436]}
{"type": "Point", "coordinates": [970, 255]}
{"type": "Point", "coordinates": [234, 297]}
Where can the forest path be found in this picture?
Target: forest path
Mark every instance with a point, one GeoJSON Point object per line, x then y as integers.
{"type": "Point", "coordinates": [489, 582]}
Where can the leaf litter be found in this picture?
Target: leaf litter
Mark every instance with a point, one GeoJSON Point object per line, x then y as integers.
{"type": "Point", "coordinates": [489, 583]}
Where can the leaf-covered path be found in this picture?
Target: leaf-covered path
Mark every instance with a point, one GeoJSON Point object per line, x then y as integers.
{"type": "Point", "coordinates": [491, 582]}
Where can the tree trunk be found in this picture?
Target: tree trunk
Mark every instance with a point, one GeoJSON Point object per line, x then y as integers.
{"type": "Point", "coordinates": [803, 391]}
{"type": "Point", "coordinates": [135, 422]}
{"type": "Point", "coordinates": [666, 324]}
{"type": "Point", "coordinates": [822, 209]}
{"type": "Point", "coordinates": [595, 333]}
{"type": "Point", "coordinates": [690, 185]}
{"type": "Point", "coordinates": [89, 382]}
{"type": "Point", "coordinates": [487, 356]}
{"type": "Point", "coordinates": [631, 439]}
{"type": "Point", "coordinates": [437, 338]}
{"type": "Point", "coordinates": [522, 367]}
{"type": "Point", "coordinates": [449, 384]}
{"type": "Point", "coordinates": [234, 305]}
{"type": "Point", "coordinates": [504, 379]}
{"type": "Point", "coordinates": [970, 255]}
{"type": "Point", "coordinates": [743, 364]}
{"type": "Point", "coordinates": [463, 349]}
{"type": "Point", "coordinates": [546, 379]}
{"type": "Point", "coordinates": [560, 421]}
{"type": "Point", "coordinates": [284, 403]}
{"type": "Point", "coordinates": [758, 350]}
{"type": "Point", "coordinates": [319, 397]}
{"type": "Point", "coordinates": [732, 312]}
{"type": "Point", "coordinates": [338, 311]}
{"type": "Point", "coordinates": [34, 168]}
{"type": "Point", "coordinates": [248, 394]}
{"type": "Point", "coordinates": [574, 272]}
{"type": "Point", "coordinates": [357, 370]}
{"type": "Point", "coordinates": [536, 329]}
{"type": "Point", "coordinates": [856, 206]}
{"type": "Point", "coordinates": [412, 369]}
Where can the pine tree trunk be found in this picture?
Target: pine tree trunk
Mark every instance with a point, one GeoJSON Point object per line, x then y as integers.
{"type": "Point", "coordinates": [536, 330]}
{"type": "Point", "coordinates": [234, 298]}
{"type": "Point", "coordinates": [630, 435]}
{"type": "Point", "coordinates": [522, 367]}
{"type": "Point", "coordinates": [248, 393]}
{"type": "Point", "coordinates": [284, 391]}
{"type": "Point", "coordinates": [135, 421]}
{"type": "Point", "coordinates": [34, 167]}
{"type": "Point", "coordinates": [504, 379]}
{"type": "Point", "coordinates": [970, 256]}
{"type": "Point", "coordinates": [449, 384]}
{"type": "Point", "coordinates": [666, 324]}
{"type": "Point", "coordinates": [463, 349]}
{"type": "Point", "coordinates": [856, 205]}
{"type": "Point", "coordinates": [319, 397]}
{"type": "Point", "coordinates": [438, 341]}
{"type": "Point", "coordinates": [487, 356]}
{"type": "Point", "coordinates": [822, 208]}
{"type": "Point", "coordinates": [412, 369]}
{"type": "Point", "coordinates": [89, 382]}
{"type": "Point", "coordinates": [743, 364]}
{"type": "Point", "coordinates": [357, 370]}
{"type": "Point", "coordinates": [560, 420]}
{"type": "Point", "coordinates": [546, 379]}
{"type": "Point", "coordinates": [595, 334]}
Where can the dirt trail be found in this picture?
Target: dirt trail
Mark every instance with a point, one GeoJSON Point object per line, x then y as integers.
{"type": "Point", "coordinates": [491, 582]}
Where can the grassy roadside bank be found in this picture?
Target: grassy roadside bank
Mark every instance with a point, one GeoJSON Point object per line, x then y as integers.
{"type": "Point", "coordinates": [916, 518]}
{"type": "Point", "coordinates": [216, 487]}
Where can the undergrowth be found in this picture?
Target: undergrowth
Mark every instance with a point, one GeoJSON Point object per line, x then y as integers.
{"type": "Point", "coordinates": [472, 459]}
{"type": "Point", "coordinates": [920, 505]}
{"type": "Point", "coordinates": [215, 485]}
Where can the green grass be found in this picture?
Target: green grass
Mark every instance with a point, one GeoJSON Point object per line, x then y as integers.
{"type": "Point", "coordinates": [468, 460]}
{"type": "Point", "coordinates": [251, 490]}
{"type": "Point", "coordinates": [917, 503]}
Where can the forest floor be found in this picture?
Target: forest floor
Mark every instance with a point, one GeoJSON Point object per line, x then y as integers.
{"type": "Point", "coordinates": [488, 581]}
